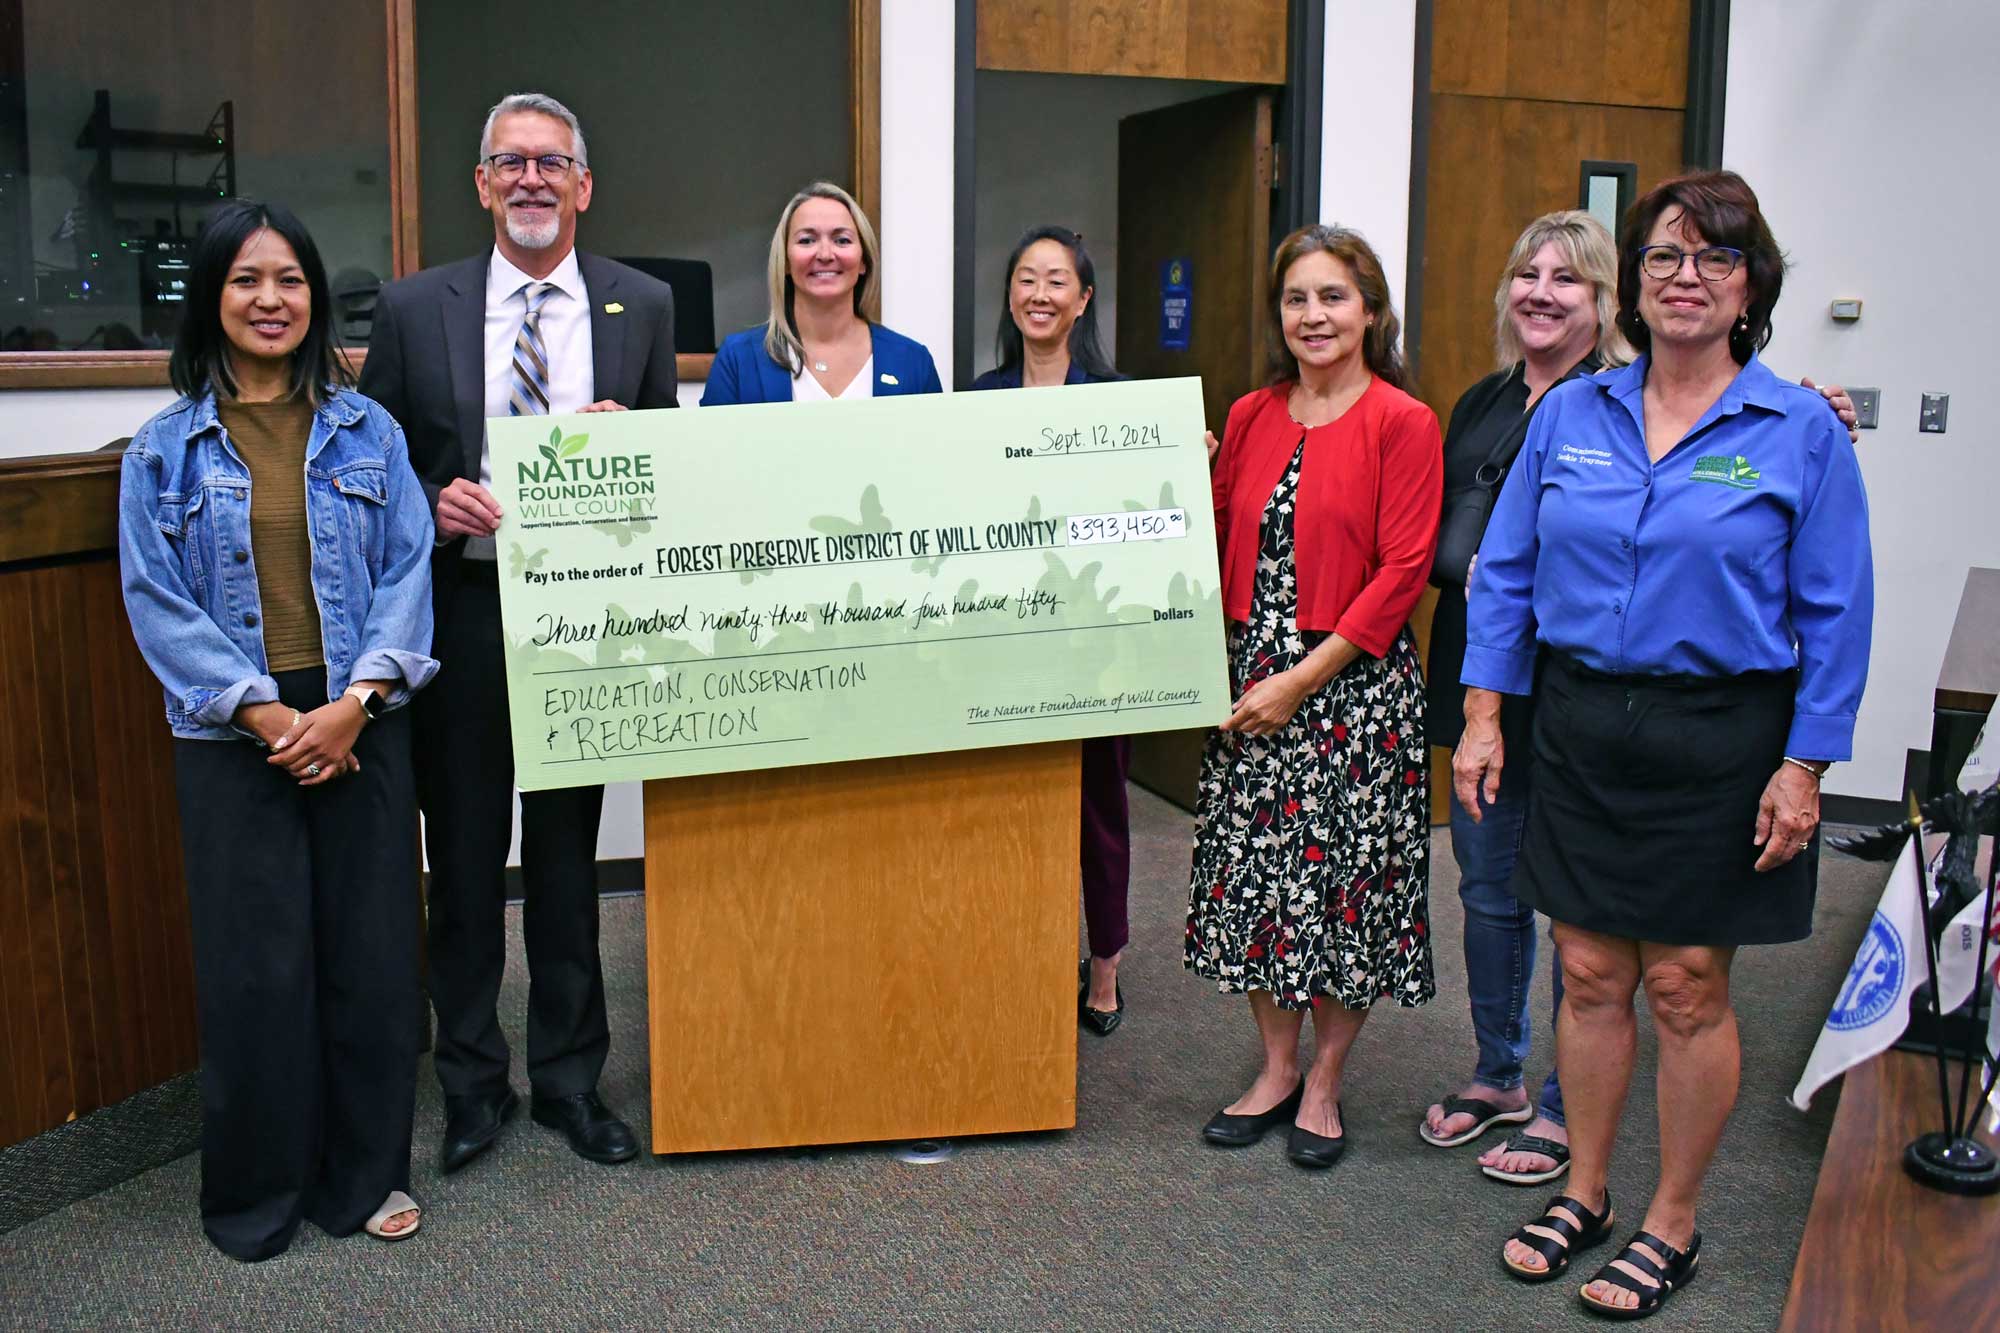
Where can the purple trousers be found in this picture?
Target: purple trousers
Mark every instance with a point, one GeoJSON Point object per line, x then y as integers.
{"type": "Point", "coordinates": [1105, 842]}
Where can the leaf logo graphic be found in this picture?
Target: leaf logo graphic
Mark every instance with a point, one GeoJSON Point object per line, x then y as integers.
{"type": "Point", "coordinates": [559, 447]}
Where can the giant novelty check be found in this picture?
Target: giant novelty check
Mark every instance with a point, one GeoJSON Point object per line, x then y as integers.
{"type": "Point", "coordinates": [701, 591]}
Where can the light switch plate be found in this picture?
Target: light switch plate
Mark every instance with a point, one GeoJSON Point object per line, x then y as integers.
{"type": "Point", "coordinates": [1930, 418]}
{"type": "Point", "coordinates": [1867, 407]}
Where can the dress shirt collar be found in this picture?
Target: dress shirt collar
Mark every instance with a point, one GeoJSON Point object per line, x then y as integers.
{"type": "Point", "coordinates": [1754, 386]}
{"type": "Point", "coordinates": [503, 280]}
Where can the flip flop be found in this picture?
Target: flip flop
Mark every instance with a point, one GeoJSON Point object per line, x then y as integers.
{"type": "Point", "coordinates": [1535, 1143]}
{"type": "Point", "coordinates": [1485, 1116]}
{"type": "Point", "coordinates": [397, 1202]}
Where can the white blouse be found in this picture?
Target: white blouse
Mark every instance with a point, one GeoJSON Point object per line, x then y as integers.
{"type": "Point", "coordinates": [806, 389]}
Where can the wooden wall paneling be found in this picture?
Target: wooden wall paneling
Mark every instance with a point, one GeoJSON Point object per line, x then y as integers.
{"type": "Point", "coordinates": [45, 1088]}
{"type": "Point", "coordinates": [20, 763]}
{"type": "Point", "coordinates": [1469, 47]}
{"type": "Point", "coordinates": [1148, 38]}
{"type": "Point", "coordinates": [1614, 52]}
{"type": "Point", "coordinates": [864, 65]}
{"type": "Point", "coordinates": [1238, 41]}
{"type": "Point", "coordinates": [1645, 53]}
{"type": "Point", "coordinates": [405, 230]}
{"type": "Point", "coordinates": [1225, 41]}
{"type": "Point", "coordinates": [75, 860]}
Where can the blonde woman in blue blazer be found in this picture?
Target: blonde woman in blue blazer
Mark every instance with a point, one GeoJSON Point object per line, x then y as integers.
{"type": "Point", "coordinates": [824, 339]}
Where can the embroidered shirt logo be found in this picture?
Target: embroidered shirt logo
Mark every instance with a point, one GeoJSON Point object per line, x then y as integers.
{"type": "Point", "coordinates": [1735, 472]}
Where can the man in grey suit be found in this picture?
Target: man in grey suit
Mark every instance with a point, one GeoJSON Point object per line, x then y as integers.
{"type": "Point", "coordinates": [532, 326]}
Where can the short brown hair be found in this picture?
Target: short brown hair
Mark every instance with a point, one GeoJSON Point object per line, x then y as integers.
{"type": "Point", "coordinates": [1379, 347]}
{"type": "Point", "coordinates": [1723, 208]}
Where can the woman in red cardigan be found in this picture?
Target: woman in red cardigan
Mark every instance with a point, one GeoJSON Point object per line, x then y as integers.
{"type": "Point", "coordinates": [1311, 863]}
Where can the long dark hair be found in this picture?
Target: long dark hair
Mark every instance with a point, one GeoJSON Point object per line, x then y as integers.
{"type": "Point", "coordinates": [1379, 351]}
{"type": "Point", "coordinates": [1084, 349]}
{"type": "Point", "coordinates": [200, 362]}
{"type": "Point", "coordinates": [1722, 207]}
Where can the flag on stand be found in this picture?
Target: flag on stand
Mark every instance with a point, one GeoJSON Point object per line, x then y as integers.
{"type": "Point", "coordinates": [1873, 1006]}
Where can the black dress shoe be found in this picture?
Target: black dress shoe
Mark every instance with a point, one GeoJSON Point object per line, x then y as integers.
{"type": "Point", "coordinates": [1240, 1131]}
{"type": "Point", "coordinates": [1316, 1151]}
{"type": "Point", "coordinates": [588, 1124]}
{"type": "Point", "coordinates": [471, 1123]}
{"type": "Point", "coordinates": [1103, 1022]}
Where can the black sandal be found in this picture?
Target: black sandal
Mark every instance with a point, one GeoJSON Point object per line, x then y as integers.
{"type": "Point", "coordinates": [1676, 1273]}
{"type": "Point", "coordinates": [1535, 1143]}
{"type": "Point", "coordinates": [1485, 1115]}
{"type": "Point", "coordinates": [1568, 1240]}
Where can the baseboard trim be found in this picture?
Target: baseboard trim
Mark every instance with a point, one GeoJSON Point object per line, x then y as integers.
{"type": "Point", "coordinates": [1863, 810]}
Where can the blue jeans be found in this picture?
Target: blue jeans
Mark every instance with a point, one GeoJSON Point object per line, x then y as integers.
{"type": "Point", "coordinates": [1500, 943]}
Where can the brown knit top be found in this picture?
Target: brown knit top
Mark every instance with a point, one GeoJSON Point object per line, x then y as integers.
{"type": "Point", "coordinates": [271, 438]}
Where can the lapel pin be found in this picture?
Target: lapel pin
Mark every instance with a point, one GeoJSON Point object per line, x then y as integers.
{"type": "Point", "coordinates": [613, 308]}
{"type": "Point", "coordinates": [887, 378]}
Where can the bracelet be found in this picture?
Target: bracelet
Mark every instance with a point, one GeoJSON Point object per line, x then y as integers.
{"type": "Point", "coordinates": [1817, 773]}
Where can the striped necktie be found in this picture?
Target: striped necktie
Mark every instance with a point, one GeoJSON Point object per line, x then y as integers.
{"type": "Point", "coordinates": [529, 396]}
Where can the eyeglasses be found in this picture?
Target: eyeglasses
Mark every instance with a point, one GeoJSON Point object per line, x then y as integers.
{"type": "Point", "coordinates": [508, 167]}
{"type": "Point", "coordinates": [1714, 264]}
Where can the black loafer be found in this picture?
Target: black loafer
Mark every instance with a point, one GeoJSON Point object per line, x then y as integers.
{"type": "Point", "coordinates": [1240, 1131]}
{"type": "Point", "coordinates": [1101, 1021]}
{"type": "Point", "coordinates": [471, 1123]}
{"type": "Point", "coordinates": [593, 1132]}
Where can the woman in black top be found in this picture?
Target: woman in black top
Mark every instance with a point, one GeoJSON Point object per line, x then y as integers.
{"type": "Point", "coordinates": [1555, 317]}
{"type": "Point", "coordinates": [1048, 336]}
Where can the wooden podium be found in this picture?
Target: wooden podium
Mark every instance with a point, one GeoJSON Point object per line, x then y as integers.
{"type": "Point", "coordinates": [883, 949]}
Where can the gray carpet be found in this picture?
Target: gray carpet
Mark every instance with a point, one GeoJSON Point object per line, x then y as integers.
{"type": "Point", "coordinates": [1127, 1221]}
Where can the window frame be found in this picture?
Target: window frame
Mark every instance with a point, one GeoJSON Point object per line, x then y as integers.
{"type": "Point", "coordinates": [148, 369]}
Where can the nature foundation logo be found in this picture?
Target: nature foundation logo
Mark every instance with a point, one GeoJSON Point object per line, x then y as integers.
{"type": "Point", "coordinates": [1735, 472]}
{"type": "Point", "coordinates": [566, 485]}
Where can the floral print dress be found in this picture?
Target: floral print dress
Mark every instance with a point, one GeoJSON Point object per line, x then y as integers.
{"type": "Point", "coordinates": [1311, 867]}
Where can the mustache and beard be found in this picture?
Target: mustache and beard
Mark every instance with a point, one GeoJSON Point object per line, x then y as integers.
{"type": "Point", "coordinates": [532, 233]}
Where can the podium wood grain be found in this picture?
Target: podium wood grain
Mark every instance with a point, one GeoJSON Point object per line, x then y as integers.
{"type": "Point", "coordinates": [875, 950]}
{"type": "Point", "coordinates": [1881, 1251]}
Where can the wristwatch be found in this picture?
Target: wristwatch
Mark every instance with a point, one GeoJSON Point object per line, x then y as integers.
{"type": "Point", "coordinates": [372, 704]}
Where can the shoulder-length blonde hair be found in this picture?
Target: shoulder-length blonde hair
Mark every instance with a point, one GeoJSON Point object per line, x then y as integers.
{"type": "Point", "coordinates": [1379, 349]}
{"type": "Point", "coordinates": [781, 331]}
{"type": "Point", "coordinates": [1591, 254]}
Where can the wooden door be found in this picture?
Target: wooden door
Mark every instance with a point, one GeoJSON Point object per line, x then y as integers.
{"type": "Point", "coordinates": [1194, 190]}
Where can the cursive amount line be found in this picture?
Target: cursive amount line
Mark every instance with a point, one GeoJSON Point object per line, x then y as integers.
{"type": "Point", "coordinates": [1078, 712]}
{"type": "Point", "coordinates": [684, 749]}
{"type": "Point", "coordinates": [846, 648]}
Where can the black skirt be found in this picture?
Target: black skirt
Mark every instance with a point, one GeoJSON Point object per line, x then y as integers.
{"type": "Point", "coordinates": [1645, 803]}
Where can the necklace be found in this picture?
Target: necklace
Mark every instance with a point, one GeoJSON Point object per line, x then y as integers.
{"type": "Point", "coordinates": [820, 366]}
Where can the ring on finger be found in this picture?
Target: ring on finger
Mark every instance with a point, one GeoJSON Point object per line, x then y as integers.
{"type": "Point", "coordinates": [312, 770]}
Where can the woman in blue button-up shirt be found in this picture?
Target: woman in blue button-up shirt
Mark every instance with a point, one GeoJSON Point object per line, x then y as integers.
{"type": "Point", "coordinates": [275, 550]}
{"type": "Point", "coordinates": [1686, 540]}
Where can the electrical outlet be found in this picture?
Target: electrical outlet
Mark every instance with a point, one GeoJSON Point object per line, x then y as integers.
{"type": "Point", "coordinates": [1867, 407]}
{"type": "Point", "coordinates": [1930, 418]}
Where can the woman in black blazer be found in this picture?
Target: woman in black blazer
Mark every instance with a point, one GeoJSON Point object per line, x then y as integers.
{"type": "Point", "coordinates": [1048, 335]}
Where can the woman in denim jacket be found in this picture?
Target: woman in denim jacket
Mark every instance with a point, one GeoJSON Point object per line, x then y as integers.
{"type": "Point", "coordinates": [275, 548]}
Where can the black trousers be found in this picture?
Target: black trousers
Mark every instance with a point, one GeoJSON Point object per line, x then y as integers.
{"type": "Point", "coordinates": [304, 907]}
{"type": "Point", "coordinates": [465, 780]}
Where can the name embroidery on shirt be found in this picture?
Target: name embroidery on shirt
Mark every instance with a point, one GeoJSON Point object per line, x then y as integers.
{"type": "Point", "coordinates": [1582, 456]}
{"type": "Point", "coordinates": [1735, 472]}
